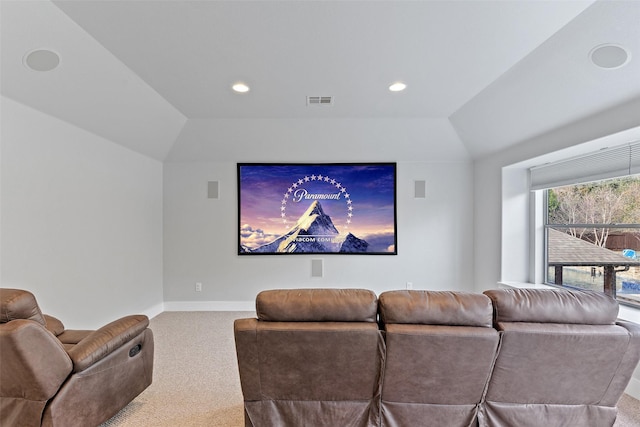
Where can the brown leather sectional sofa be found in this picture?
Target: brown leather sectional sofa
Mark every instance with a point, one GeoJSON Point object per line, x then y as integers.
{"type": "Point", "coordinates": [517, 357]}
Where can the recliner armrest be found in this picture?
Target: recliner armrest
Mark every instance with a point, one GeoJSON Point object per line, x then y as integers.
{"type": "Point", "coordinates": [105, 340]}
{"type": "Point", "coordinates": [33, 363]}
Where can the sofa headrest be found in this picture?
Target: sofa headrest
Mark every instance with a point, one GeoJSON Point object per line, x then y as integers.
{"type": "Point", "coordinates": [553, 306]}
{"type": "Point", "coordinates": [436, 308]}
{"type": "Point", "coordinates": [317, 305]}
{"type": "Point", "coordinates": [19, 304]}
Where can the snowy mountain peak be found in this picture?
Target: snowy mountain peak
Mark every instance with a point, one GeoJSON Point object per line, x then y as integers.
{"type": "Point", "coordinates": [314, 208]}
{"type": "Point", "coordinates": [315, 221]}
{"type": "Point", "coordinates": [314, 232]}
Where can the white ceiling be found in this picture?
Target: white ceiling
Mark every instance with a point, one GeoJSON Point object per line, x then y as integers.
{"type": "Point", "coordinates": [498, 72]}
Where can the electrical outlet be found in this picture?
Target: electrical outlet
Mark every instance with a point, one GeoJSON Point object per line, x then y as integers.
{"type": "Point", "coordinates": [198, 287]}
{"type": "Point", "coordinates": [409, 285]}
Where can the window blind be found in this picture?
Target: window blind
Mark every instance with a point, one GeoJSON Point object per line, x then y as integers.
{"type": "Point", "coordinates": [607, 163]}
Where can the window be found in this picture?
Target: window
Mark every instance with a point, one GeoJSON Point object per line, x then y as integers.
{"type": "Point", "coordinates": [592, 234]}
{"type": "Point", "coordinates": [592, 221]}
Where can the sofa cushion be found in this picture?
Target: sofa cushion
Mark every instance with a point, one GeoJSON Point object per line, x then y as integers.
{"type": "Point", "coordinates": [553, 306]}
{"type": "Point", "coordinates": [317, 305]}
{"type": "Point", "coordinates": [19, 304]}
{"type": "Point", "coordinates": [435, 308]}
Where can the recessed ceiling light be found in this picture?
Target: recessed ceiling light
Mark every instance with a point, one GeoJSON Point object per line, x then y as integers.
{"type": "Point", "coordinates": [240, 87]}
{"type": "Point", "coordinates": [609, 56]}
{"type": "Point", "coordinates": [41, 60]}
{"type": "Point", "coordinates": [397, 87]}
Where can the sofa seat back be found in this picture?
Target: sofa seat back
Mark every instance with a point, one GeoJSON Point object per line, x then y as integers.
{"type": "Point", "coordinates": [440, 350]}
{"type": "Point", "coordinates": [312, 356]}
{"type": "Point", "coordinates": [563, 360]}
{"type": "Point", "coordinates": [33, 363]}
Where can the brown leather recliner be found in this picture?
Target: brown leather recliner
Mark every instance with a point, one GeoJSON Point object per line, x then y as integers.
{"type": "Point", "coordinates": [440, 350]}
{"type": "Point", "coordinates": [50, 376]}
{"type": "Point", "coordinates": [564, 359]}
{"type": "Point", "coordinates": [313, 357]}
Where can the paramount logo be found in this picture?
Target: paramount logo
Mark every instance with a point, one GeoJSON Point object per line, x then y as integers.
{"type": "Point", "coordinates": [302, 193]}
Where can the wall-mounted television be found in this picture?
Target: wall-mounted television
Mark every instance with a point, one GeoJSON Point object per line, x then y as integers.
{"type": "Point", "coordinates": [317, 208]}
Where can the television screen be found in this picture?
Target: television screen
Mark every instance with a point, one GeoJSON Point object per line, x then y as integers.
{"type": "Point", "coordinates": [317, 208]}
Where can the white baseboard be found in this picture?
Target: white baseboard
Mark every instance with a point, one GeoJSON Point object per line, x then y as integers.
{"type": "Point", "coordinates": [633, 389]}
{"type": "Point", "coordinates": [210, 306]}
{"type": "Point", "coordinates": [154, 311]}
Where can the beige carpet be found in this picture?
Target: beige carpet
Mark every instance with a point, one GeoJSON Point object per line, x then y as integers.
{"type": "Point", "coordinates": [196, 383]}
{"type": "Point", "coordinates": [195, 378]}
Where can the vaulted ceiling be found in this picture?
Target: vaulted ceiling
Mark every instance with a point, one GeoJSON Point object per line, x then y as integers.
{"type": "Point", "coordinates": [493, 72]}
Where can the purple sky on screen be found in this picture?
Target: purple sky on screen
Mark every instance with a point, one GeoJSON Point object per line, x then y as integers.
{"type": "Point", "coordinates": [273, 194]}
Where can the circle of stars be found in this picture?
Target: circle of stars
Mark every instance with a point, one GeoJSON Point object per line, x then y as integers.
{"type": "Point", "coordinates": [316, 178]}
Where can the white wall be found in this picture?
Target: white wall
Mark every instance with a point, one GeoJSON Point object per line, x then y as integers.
{"type": "Point", "coordinates": [434, 239]}
{"type": "Point", "coordinates": [81, 222]}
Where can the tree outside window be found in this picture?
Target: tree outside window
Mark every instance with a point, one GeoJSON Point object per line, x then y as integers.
{"type": "Point", "coordinates": [606, 214]}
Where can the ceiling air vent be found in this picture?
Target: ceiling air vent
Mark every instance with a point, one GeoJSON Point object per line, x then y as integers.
{"type": "Point", "coordinates": [319, 100]}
